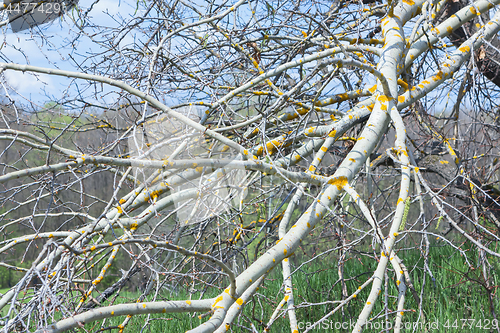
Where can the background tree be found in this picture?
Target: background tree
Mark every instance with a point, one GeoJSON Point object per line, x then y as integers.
{"type": "Point", "coordinates": [201, 151]}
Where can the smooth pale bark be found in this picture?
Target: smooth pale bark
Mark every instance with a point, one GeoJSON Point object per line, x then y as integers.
{"type": "Point", "coordinates": [380, 110]}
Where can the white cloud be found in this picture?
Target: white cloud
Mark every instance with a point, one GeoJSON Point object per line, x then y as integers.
{"type": "Point", "coordinates": [111, 7]}
{"type": "Point", "coordinates": [27, 83]}
{"type": "Point", "coordinates": [106, 6]}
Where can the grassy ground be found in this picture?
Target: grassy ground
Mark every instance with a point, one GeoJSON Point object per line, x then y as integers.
{"type": "Point", "coordinates": [453, 302]}
{"type": "Point", "coordinates": [4, 311]}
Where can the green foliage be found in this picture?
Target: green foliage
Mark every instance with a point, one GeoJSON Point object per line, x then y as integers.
{"type": "Point", "coordinates": [9, 277]}
{"type": "Point", "coordinates": [451, 297]}
{"type": "Point", "coordinates": [405, 214]}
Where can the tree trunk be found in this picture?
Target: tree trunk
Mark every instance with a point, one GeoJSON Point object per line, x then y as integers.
{"type": "Point", "coordinates": [487, 57]}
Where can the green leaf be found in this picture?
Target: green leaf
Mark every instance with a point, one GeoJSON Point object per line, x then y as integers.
{"type": "Point", "coordinates": [270, 9]}
{"type": "Point", "coordinates": [405, 214]}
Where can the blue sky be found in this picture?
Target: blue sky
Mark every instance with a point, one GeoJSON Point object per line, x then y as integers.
{"type": "Point", "coordinates": [27, 47]}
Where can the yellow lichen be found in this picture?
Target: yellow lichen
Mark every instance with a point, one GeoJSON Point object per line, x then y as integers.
{"type": "Point", "coordinates": [340, 182]}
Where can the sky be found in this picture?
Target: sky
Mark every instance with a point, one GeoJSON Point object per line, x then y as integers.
{"type": "Point", "coordinates": [26, 47]}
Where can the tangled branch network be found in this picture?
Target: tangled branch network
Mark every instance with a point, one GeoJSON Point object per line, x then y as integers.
{"type": "Point", "coordinates": [253, 165]}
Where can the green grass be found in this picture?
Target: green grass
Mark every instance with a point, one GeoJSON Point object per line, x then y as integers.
{"type": "Point", "coordinates": [5, 310]}
{"type": "Point", "coordinates": [456, 296]}
{"type": "Point", "coordinates": [453, 299]}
